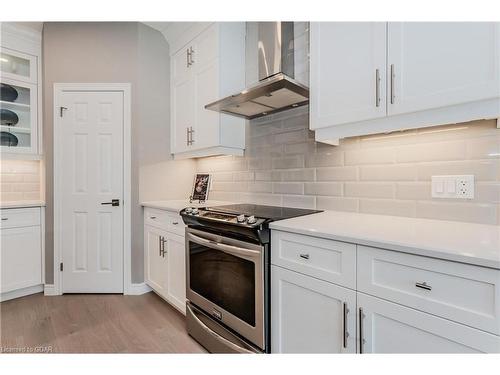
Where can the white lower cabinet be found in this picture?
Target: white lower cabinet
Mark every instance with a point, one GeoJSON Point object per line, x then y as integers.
{"type": "Point", "coordinates": [311, 315]}
{"type": "Point", "coordinates": [398, 303]}
{"type": "Point", "coordinates": [176, 271]}
{"type": "Point", "coordinates": [20, 252]}
{"type": "Point", "coordinates": [155, 263]}
{"type": "Point", "coordinates": [164, 257]}
{"type": "Point", "coordinates": [386, 327]}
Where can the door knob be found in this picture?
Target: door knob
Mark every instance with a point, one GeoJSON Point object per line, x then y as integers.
{"type": "Point", "coordinates": [114, 202]}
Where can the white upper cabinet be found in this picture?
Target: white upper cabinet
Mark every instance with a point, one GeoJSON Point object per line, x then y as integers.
{"type": "Point", "coordinates": [348, 72]}
{"type": "Point", "coordinates": [437, 64]}
{"type": "Point", "coordinates": [428, 74]}
{"type": "Point", "coordinates": [207, 68]}
{"type": "Point", "coordinates": [18, 66]}
{"type": "Point", "coordinates": [20, 99]}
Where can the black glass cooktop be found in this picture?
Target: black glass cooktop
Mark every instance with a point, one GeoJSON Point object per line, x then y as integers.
{"type": "Point", "coordinates": [266, 212]}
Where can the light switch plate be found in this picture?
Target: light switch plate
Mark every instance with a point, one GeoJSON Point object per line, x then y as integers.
{"type": "Point", "coordinates": [453, 186]}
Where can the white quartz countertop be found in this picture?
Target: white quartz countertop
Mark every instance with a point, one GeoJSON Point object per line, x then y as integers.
{"type": "Point", "coordinates": [22, 204]}
{"type": "Point", "coordinates": [477, 244]}
{"type": "Point", "coordinates": [178, 205]}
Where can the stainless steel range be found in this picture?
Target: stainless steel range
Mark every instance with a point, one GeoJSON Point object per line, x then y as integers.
{"type": "Point", "coordinates": [227, 272]}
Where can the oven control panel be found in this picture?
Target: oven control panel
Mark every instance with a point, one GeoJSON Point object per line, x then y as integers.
{"type": "Point", "coordinates": [215, 215]}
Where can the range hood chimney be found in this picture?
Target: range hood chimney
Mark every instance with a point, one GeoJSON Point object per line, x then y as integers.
{"type": "Point", "coordinates": [277, 90]}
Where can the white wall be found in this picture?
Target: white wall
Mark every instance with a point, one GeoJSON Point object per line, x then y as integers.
{"type": "Point", "coordinates": [113, 52]}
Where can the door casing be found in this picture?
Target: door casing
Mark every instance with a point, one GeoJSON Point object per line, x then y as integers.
{"type": "Point", "coordinates": [125, 88]}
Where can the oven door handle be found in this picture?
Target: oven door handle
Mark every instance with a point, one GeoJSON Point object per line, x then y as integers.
{"type": "Point", "coordinates": [234, 250]}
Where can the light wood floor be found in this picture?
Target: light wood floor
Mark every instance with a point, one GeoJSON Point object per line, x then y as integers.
{"type": "Point", "coordinates": [93, 323]}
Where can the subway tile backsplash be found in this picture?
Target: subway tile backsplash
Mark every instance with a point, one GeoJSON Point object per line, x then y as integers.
{"type": "Point", "coordinates": [385, 174]}
{"type": "Point", "coordinates": [19, 180]}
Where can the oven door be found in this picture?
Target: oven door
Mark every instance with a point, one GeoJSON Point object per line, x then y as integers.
{"type": "Point", "coordinates": [225, 278]}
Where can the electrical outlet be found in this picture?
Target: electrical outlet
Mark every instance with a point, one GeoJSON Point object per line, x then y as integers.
{"type": "Point", "coordinates": [453, 186]}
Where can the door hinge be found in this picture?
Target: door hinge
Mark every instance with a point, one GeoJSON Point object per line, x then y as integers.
{"type": "Point", "coordinates": [61, 267]}
{"type": "Point", "coordinates": [61, 109]}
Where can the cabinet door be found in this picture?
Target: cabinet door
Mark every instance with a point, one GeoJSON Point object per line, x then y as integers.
{"type": "Point", "coordinates": [155, 263]}
{"type": "Point", "coordinates": [348, 72]}
{"type": "Point", "coordinates": [183, 116]}
{"type": "Point", "coordinates": [204, 48]}
{"type": "Point", "coordinates": [206, 88]}
{"type": "Point", "coordinates": [176, 285]}
{"type": "Point", "coordinates": [181, 65]}
{"type": "Point", "coordinates": [18, 66]}
{"type": "Point", "coordinates": [206, 83]}
{"type": "Point", "coordinates": [19, 118]}
{"type": "Point", "coordinates": [386, 327]}
{"type": "Point", "coordinates": [20, 258]}
{"type": "Point", "coordinates": [436, 64]}
{"type": "Point", "coordinates": [310, 316]}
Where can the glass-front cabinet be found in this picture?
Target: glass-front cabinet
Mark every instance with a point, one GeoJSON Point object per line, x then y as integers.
{"type": "Point", "coordinates": [18, 103]}
{"type": "Point", "coordinates": [18, 66]}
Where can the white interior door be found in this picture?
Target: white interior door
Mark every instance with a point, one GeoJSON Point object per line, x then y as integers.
{"type": "Point", "coordinates": [91, 175]}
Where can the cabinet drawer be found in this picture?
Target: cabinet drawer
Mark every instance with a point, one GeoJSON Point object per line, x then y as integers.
{"type": "Point", "coordinates": [463, 293]}
{"type": "Point", "coordinates": [19, 217]}
{"type": "Point", "coordinates": [166, 220]}
{"type": "Point", "coordinates": [328, 260]}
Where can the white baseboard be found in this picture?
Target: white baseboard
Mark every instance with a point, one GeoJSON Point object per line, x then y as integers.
{"type": "Point", "coordinates": [50, 290]}
{"type": "Point", "coordinates": [138, 289]}
{"type": "Point", "coordinates": [21, 292]}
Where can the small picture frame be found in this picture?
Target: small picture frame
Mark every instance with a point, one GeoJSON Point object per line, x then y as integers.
{"type": "Point", "coordinates": [201, 187]}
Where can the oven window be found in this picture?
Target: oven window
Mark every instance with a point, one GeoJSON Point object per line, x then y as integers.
{"type": "Point", "coordinates": [223, 279]}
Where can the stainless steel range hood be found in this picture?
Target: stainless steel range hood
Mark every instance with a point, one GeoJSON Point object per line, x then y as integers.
{"type": "Point", "coordinates": [276, 90]}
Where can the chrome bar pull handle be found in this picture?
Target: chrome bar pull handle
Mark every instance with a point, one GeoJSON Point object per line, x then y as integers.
{"type": "Point", "coordinates": [423, 285]}
{"type": "Point", "coordinates": [346, 334]}
{"type": "Point", "coordinates": [361, 339]}
{"type": "Point", "coordinates": [163, 240]}
{"type": "Point", "coordinates": [191, 53]}
{"type": "Point", "coordinates": [304, 256]}
{"type": "Point", "coordinates": [191, 132]}
{"type": "Point", "coordinates": [159, 245]}
{"type": "Point", "coordinates": [393, 78]}
{"type": "Point", "coordinates": [377, 88]}
{"type": "Point", "coordinates": [188, 58]}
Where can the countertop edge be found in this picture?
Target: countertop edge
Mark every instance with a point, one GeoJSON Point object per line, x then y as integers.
{"type": "Point", "coordinates": [403, 248]}
{"type": "Point", "coordinates": [11, 205]}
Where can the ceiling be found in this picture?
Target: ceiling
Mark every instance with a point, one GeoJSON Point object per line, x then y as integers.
{"type": "Point", "coordinates": [36, 26]}
{"type": "Point", "coordinates": [160, 26]}
{"type": "Point", "coordinates": [168, 29]}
